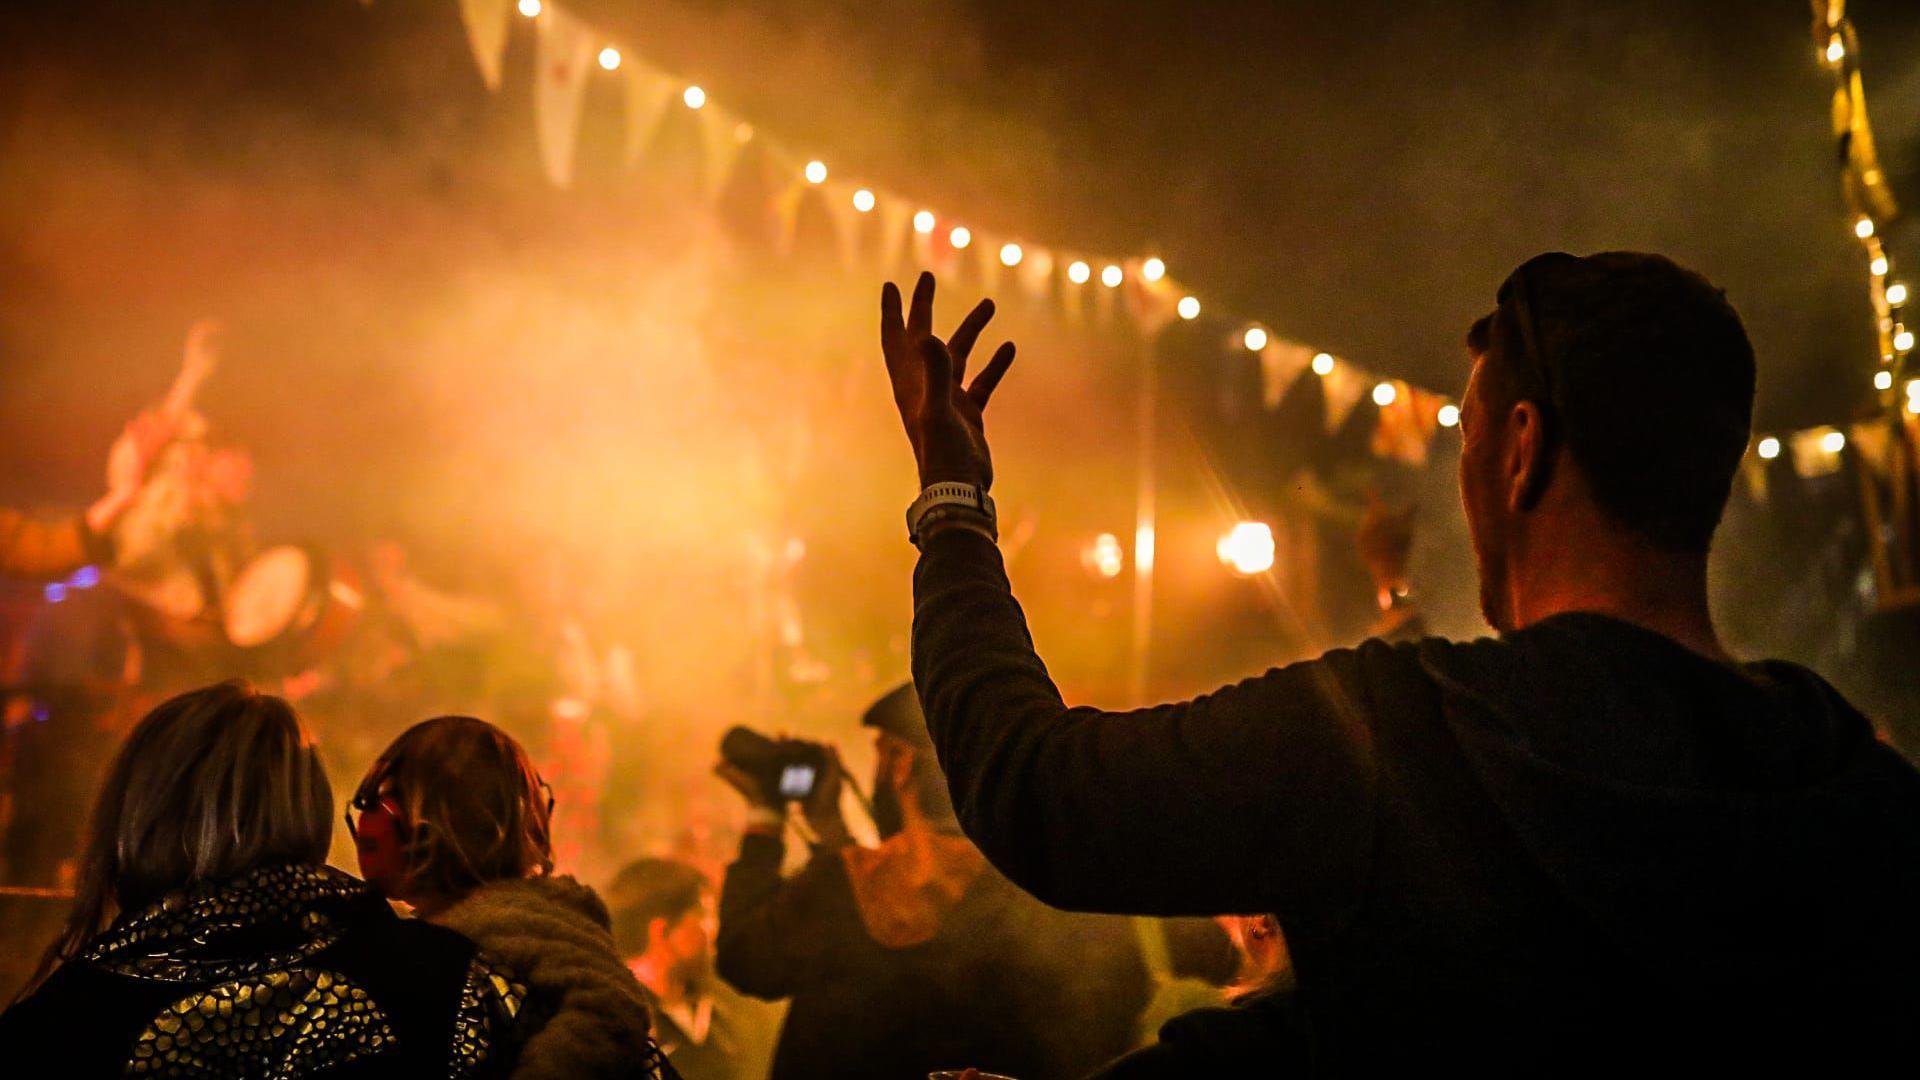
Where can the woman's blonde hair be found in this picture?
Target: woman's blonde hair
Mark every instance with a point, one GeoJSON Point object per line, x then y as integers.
{"type": "Point", "coordinates": [473, 807]}
{"type": "Point", "coordinates": [210, 784]}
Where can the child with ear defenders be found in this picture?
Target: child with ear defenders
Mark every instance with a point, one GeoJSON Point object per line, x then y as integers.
{"type": "Point", "coordinates": [454, 821]}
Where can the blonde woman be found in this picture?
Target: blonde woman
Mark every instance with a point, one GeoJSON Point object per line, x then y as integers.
{"type": "Point", "coordinates": [454, 821]}
{"type": "Point", "coordinates": [209, 939]}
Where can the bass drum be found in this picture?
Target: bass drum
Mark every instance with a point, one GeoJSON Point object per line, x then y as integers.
{"type": "Point", "coordinates": [293, 601]}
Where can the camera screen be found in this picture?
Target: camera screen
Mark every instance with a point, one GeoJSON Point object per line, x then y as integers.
{"type": "Point", "coordinates": [796, 781]}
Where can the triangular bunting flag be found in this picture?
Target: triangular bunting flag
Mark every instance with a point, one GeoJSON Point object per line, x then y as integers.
{"type": "Point", "coordinates": [563, 59]}
{"type": "Point", "coordinates": [1281, 362]}
{"type": "Point", "coordinates": [1406, 425]}
{"type": "Point", "coordinates": [845, 218]}
{"type": "Point", "coordinates": [1344, 387]}
{"type": "Point", "coordinates": [649, 92]}
{"type": "Point", "coordinates": [896, 227]}
{"type": "Point", "coordinates": [486, 23]}
{"type": "Point", "coordinates": [1754, 469]}
{"type": "Point", "coordinates": [722, 137]}
{"type": "Point", "coordinates": [1812, 455]}
{"type": "Point", "coordinates": [786, 211]}
{"type": "Point", "coordinates": [1036, 273]}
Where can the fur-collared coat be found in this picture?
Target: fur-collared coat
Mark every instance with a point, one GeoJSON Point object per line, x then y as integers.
{"type": "Point", "coordinates": [586, 1016]}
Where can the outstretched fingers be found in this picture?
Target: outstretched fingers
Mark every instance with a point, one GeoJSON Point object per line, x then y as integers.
{"type": "Point", "coordinates": [893, 330]}
{"type": "Point", "coordinates": [920, 315]}
{"type": "Point", "coordinates": [939, 369]}
{"type": "Point", "coordinates": [990, 376]}
{"type": "Point", "coordinates": [962, 341]}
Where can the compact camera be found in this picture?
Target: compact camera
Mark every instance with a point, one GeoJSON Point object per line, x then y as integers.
{"type": "Point", "coordinates": [786, 769]}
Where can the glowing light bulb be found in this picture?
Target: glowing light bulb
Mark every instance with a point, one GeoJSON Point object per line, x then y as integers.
{"type": "Point", "coordinates": [961, 236]}
{"type": "Point", "coordinates": [1153, 269]}
{"type": "Point", "coordinates": [1836, 50]}
{"type": "Point", "coordinates": [1896, 293]}
{"type": "Point", "coordinates": [1449, 415]}
{"type": "Point", "coordinates": [1878, 265]}
{"type": "Point", "coordinates": [1255, 339]}
{"type": "Point", "coordinates": [923, 222]}
{"type": "Point", "coordinates": [1322, 364]}
{"type": "Point", "coordinates": [1247, 548]}
{"type": "Point", "coordinates": [816, 172]}
{"type": "Point", "coordinates": [694, 97]}
{"type": "Point", "coordinates": [1913, 388]}
{"type": "Point", "coordinates": [1863, 228]}
{"type": "Point", "coordinates": [1883, 380]}
{"type": "Point", "coordinates": [1010, 254]}
{"type": "Point", "coordinates": [1111, 274]}
{"type": "Point", "coordinates": [530, 8]}
{"type": "Point", "coordinates": [1833, 442]}
{"type": "Point", "coordinates": [1903, 340]}
{"type": "Point", "coordinates": [609, 58]}
{"type": "Point", "coordinates": [1189, 307]}
{"type": "Point", "coordinates": [1079, 272]}
{"type": "Point", "coordinates": [1913, 405]}
{"type": "Point", "coordinates": [1105, 556]}
{"type": "Point", "coordinates": [863, 200]}
{"type": "Point", "coordinates": [1384, 393]}
{"type": "Point", "coordinates": [1768, 449]}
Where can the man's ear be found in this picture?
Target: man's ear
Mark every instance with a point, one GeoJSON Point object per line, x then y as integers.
{"type": "Point", "coordinates": [1529, 457]}
{"type": "Point", "coordinates": [656, 931]}
{"type": "Point", "coordinates": [900, 769]}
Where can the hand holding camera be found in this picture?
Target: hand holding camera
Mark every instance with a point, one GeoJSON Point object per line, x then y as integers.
{"type": "Point", "coordinates": [775, 773]}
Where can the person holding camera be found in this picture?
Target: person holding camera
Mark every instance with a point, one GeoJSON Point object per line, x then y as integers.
{"type": "Point", "coordinates": [914, 955]}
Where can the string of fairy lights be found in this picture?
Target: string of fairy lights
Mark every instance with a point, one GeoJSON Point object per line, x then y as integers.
{"type": "Point", "coordinates": [1152, 270]}
{"type": "Point", "coordinates": [1871, 206]}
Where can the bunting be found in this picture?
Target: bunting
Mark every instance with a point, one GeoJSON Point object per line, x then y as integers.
{"type": "Point", "coordinates": [563, 57]}
{"type": "Point", "coordinates": [486, 23]}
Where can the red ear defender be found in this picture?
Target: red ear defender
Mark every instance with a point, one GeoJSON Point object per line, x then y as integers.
{"type": "Point", "coordinates": [380, 837]}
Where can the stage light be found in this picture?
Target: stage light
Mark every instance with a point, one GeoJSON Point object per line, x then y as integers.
{"type": "Point", "coordinates": [1913, 388]}
{"type": "Point", "coordinates": [816, 172]}
{"type": "Point", "coordinates": [1143, 548]}
{"type": "Point", "coordinates": [1448, 415]}
{"type": "Point", "coordinates": [863, 200]}
{"type": "Point", "coordinates": [1896, 294]}
{"type": "Point", "coordinates": [1863, 228]}
{"type": "Point", "coordinates": [1110, 275]}
{"type": "Point", "coordinates": [694, 97]}
{"type": "Point", "coordinates": [1079, 272]}
{"type": "Point", "coordinates": [1255, 338]}
{"type": "Point", "coordinates": [961, 236]}
{"type": "Point", "coordinates": [1903, 340]}
{"type": "Point", "coordinates": [1883, 380]}
{"type": "Point", "coordinates": [923, 222]}
{"type": "Point", "coordinates": [1878, 266]}
{"type": "Point", "coordinates": [1010, 254]}
{"type": "Point", "coordinates": [1323, 364]}
{"type": "Point", "coordinates": [55, 592]}
{"type": "Point", "coordinates": [1153, 269]}
{"type": "Point", "coordinates": [1768, 449]}
{"type": "Point", "coordinates": [530, 8]}
{"type": "Point", "coordinates": [1836, 50]}
{"type": "Point", "coordinates": [1247, 548]}
{"type": "Point", "coordinates": [1384, 393]}
{"type": "Point", "coordinates": [1189, 307]}
{"type": "Point", "coordinates": [609, 58]}
{"type": "Point", "coordinates": [1104, 556]}
{"type": "Point", "coordinates": [1833, 442]}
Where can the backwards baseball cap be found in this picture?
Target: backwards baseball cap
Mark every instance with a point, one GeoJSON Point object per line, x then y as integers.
{"type": "Point", "coordinates": [898, 714]}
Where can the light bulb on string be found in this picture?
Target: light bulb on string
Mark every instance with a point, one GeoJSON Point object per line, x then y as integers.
{"type": "Point", "coordinates": [1896, 294]}
{"type": "Point", "coordinates": [1833, 442]}
{"type": "Point", "coordinates": [1768, 448]}
{"type": "Point", "coordinates": [1836, 50]}
{"type": "Point", "coordinates": [1111, 275]}
{"type": "Point", "coordinates": [1878, 266]}
{"type": "Point", "coordinates": [1010, 254]}
{"type": "Point", "coordinates": [1384, 394]}
{"type": "Point", "coordinates": [1255, 339]}
{"type": "Point", "coordinates": [816, 172]}
{"type": "Point", "coordinates": [530, 8]}
{"type": "Point", "coordinates": [693, 97]}
{"type": "Point", "coordinates": [1903, 340]}
{"type": "Point", "coordinates": [1863, 228]}
{"type": "Point", "coordinates": [961, 236]}
{"type": "Point", "coordinates": [1883, 380]}
{"type": "Point", "coordinates": [923, 222]}
{"type": "Point", "coordinates": [1449, 415]}
{"type": "Point", "coordinates": [1153, 269]}
{"type": "Point", "coordinates": [1247, 548]}
{"type": "Point", "coordinates": [1189, 307]}
{"type": "Point", "coordinates": [1079, 272]}
{"type": "Point", "coordinates": [863, 200]}
{"type": "Point", "coordinates": [1323, 364]}
{"type": "Point", "coordinates": [609, 58]}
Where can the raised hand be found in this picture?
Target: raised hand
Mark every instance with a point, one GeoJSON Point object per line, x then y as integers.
{"type": "Point", "coordinates": [943, 418]}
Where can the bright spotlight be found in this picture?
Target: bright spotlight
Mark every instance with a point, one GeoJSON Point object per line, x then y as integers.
{"type": "Point", "coordinates": [1247, 548]}
{"type": "Point", "coordinates": [1105, 556]}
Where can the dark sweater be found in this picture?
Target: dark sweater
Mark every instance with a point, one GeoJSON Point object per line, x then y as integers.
{"type": "Point", "coordinates": [1005, 985]}
{"type": "Point", "coordinates": [1577, 845]}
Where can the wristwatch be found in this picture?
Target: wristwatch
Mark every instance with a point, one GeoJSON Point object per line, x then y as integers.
{"type": "Point", "coordinates": [962, 504]}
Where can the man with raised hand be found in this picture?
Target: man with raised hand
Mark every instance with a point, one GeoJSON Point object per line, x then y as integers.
{"type": "Point", "coordinates": [1593, 840]}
